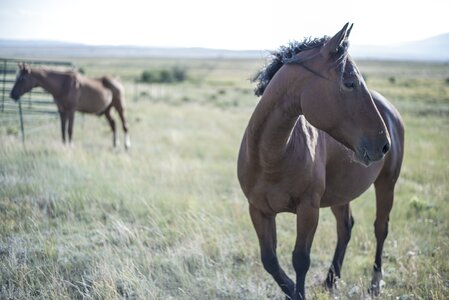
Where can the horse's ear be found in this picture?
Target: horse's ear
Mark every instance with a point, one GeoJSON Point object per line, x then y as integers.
{"type": "Point", "coordinates": [348, 32]}
{"type": "Point", "coordinates": [23, 67]}
{"type": "Point", "coordinates": [26, 68]}
{"type": "Point", "coordinates": [333, 44]}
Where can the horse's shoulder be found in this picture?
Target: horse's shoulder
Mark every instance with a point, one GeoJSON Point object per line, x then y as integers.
{"type": "Point", "coordinates": [75, 76]}
{"type": "Point", "coordinates": [306, 132]}
{"type": "Point", "coordinates": [71, 80]}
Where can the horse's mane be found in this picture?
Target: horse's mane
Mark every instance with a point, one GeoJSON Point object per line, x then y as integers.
{"type": "Point", "coordinates": [283, 55]}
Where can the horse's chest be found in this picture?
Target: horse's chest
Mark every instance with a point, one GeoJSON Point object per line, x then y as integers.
{"type": "Point", "coordinates": [271, 199]}
{"type": "Point", "coordinates": [284, 195]}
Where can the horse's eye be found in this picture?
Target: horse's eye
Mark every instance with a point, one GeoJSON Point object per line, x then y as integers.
{"type": "Point", "coordinates": [349, 85]}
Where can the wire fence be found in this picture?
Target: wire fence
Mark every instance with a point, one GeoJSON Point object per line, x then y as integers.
{"type": "Point", "coordinates": [36, 108]}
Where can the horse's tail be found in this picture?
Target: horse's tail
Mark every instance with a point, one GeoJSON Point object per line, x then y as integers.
{"type": "Point", "coordinates": [118, 102]}
{"type": "Point", "coordinates": [116, 88]}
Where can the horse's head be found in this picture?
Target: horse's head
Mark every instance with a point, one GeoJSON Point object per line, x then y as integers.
{"type": "Point", "coordinates": [24, 82]}
{"type": "Point", "coordinates": [336, 99]}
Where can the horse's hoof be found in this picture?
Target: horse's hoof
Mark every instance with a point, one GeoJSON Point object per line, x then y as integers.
{"type": "Point", "coordinates": [330, 286]}
{"type": "Point", "coordinates": [127, 142]}
{"type": "Point", "coordinates": [330, 283]}
{"type": "Point", "coordinates": [374, 291]}
{"type": "Point", "coordinates": [376, 283]}
{"type": "Point", "coordinates": [376, 288]}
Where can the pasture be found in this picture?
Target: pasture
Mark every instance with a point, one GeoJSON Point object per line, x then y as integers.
{"type": "Point", "coordinates": [167, 219]}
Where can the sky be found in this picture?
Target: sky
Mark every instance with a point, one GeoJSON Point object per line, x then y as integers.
{"type": "Point", "coordinates": [230, 24]}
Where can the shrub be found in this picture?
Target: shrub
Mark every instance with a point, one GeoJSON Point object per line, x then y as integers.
{"type": "Point", "coordinates": [179, 74]}
{"type": "Point", "coordinates": [392, 80]}
{"type": "Point", "coordinates": [175, 74]}
{"type": "Point", "coordinates": [12, 131]}
{"type": "Point", "coordinates": [149, 76]}
{"type": "Point", "coordinates": [165, 76]}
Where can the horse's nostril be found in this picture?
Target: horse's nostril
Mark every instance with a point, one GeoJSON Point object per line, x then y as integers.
{"type": "Point", "coordinates": [386, 148]}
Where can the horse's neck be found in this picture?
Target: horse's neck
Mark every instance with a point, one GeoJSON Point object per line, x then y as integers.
{"type": "Point", "coordinates": [273, 121]}
{"type": "Point", "coordinates": [50, 81]}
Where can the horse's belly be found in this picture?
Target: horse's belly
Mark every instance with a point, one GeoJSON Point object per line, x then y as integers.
{"type": "Point", "coordinates": [94, 100]}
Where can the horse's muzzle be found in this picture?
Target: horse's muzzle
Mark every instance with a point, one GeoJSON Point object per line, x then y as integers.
{"type": "Point", "coordinates": [14, 96]}
{"type": "Point", "coordinates": [367, 153]}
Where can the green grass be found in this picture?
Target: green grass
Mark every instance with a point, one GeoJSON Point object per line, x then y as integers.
{"type": "Point", "coordinates": [167, 219]}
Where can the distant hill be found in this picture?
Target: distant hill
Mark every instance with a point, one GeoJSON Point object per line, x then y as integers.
{"type": "Point", "coordinates": [14, 48]}
{"type": "Point", "coordinates": [432, 49]}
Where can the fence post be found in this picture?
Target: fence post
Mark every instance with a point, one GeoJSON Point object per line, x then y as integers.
{"type": "Point", "coordinates": [4, 83]}
{"type": "Point", "coordinates": [29, 99]}
{"type": "Point", "coordinates": [22, 128]}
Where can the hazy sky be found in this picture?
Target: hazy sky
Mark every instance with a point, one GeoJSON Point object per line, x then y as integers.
{"type": "Point", "coordinates": [230, 24]}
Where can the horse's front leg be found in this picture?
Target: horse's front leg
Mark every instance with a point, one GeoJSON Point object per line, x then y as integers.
{"type": "Point", "coordinates": [71, 117]}
{"type": "Point", "coordinates": [265, 226]}
{"type": "Point", "coordinates": [384, 202]}
{"type": "Point", "coordinates": [63, 117]}
{"type": "Point", "coordinates": [307, 220]}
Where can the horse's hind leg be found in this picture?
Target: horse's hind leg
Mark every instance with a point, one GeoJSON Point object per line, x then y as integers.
{"type": "Point", "coordinates": [121, 112]}
{"type": "Point", "coordinates": [265, 226]}
{"type": "Point", "coordinates": [384, 202]}
{"type": "Point", "coordinates": [111, 121]}
{"type": "Point", "coordinates": [345, 222]}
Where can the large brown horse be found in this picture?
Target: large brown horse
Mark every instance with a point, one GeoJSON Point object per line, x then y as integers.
{"type": "Point", "coordinates": [318, 138]}
{"type": "Point", "coordinates": [74, 92]}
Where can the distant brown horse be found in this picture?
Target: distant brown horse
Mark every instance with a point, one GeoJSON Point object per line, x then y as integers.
{"type": "Point", "coordinates": [74, 92]}
{"type": "Point", "coordinates": [318, 138]}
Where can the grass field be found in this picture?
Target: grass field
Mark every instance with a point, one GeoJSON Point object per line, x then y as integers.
{"type": "Point", "coordinates": [167, 219]}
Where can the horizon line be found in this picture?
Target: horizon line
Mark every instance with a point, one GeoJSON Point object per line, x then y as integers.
{"type": "Point", "coordinates": [194, 47]}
